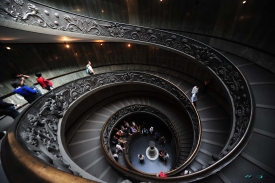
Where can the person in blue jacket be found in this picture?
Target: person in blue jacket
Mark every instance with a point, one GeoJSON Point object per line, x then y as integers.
{"type": "Point", "coordinates": [29, 94]}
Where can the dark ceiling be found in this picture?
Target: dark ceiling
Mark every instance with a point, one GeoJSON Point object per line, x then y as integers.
{"type": "Point", "coordinates": [249, 24]}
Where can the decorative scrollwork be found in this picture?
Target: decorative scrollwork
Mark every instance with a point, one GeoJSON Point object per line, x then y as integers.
{"type": "Point", "coordinates": [231, 77]}
{"type": "Point", "coordinates": [7, 8]}
{"type": "Point", "coordinates": [38, 129]}
{"type": "Point", "coordinates": [114, 30]}
{"type": "Point", "coordinates": [84, 25]}
{"type": "Point", "coordinates": [33, 11]}
{"type": "Point", "coordinates": [20, 2]}
{"type": "Point", "coordinates": [113, 121]}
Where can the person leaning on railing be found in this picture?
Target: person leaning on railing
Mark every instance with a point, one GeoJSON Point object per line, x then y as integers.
{"type": "Point", "coordinates": [28, 93]}
{"type": "Point", "coordinates": [22, 78]}
{"type": "Point", "coordinates": [44, 83]}
{"type": "Point", "coordinates": [8, 109]}
{"type": "Point", "coordinates": [121, 141]}
{"type": "Point", "coordinates": [119, 148]}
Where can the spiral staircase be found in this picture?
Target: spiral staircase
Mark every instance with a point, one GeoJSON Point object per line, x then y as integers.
{"type": "Point", "coordinates": [231, 147]}
{"type": "Point", "coordinates": [86, 151]}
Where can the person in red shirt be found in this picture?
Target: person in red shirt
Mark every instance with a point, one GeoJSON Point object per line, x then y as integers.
{"type": "Point", "coordinates": [44, 83]}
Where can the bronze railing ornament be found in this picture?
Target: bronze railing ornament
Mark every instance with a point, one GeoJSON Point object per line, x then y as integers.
{"type": "Point", "coordinates": [38, 17]}
{"type": "Point", "coordinates": [112, 122]}
{"type": "Point", "coordinates": [37, 128]}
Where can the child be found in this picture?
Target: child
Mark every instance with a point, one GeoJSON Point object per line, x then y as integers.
{"type": "Point", "coordinates": [44, 83]}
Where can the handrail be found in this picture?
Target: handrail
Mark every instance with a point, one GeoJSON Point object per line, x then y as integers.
{"type": "Point", "coordinates": [221, 38]}
{"type": "Point", "coordinates": [57, 76]}
{"type": "Point", "coordinates": [235, 84]}
{"type": "Point", "coordinates": [126, 154]}
{"type": "Point", "coordinates": [182, 99]}
{"type": "Point", "coordinates": [38, 127]}
{"type": "Point", "coordinates": [124, 112]}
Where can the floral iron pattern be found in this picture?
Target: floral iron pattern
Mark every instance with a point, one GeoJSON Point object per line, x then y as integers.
{"type": "Point", "coordinates": [33, 13]}
{"type": "Point", "coordinates": [38, 128]}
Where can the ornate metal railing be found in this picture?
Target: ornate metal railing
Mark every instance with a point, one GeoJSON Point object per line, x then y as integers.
{"type": "Point", "coordinates": [38, 128]}
{"type": "Point", "coordinates": [112, 122]}
{"type": "Point", "coordinates": [41, 18]}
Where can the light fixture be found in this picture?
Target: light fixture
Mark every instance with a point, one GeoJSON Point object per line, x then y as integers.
{"type": "Point", "coordinates": [102, 11]}
{"type": "Point", "coordinates": [244, 2]}
{"type": "Point", "coordinates": [100, 44]}
{"type": "Point", "coordinates": [8, 48]}
{"type": "Point", "coordinates": [160, 0]}
{"type": "Point", "coordinates": [129, 45]}
{"type": "Point", "coordinates": [67, 46]}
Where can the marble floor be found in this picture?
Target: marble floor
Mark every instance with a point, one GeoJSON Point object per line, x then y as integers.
{"type": "Point", "coordinates": [140, 145]}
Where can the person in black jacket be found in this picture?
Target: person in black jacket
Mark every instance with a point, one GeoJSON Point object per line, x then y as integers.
{"type": "Point", "coordinates": [8, 109]}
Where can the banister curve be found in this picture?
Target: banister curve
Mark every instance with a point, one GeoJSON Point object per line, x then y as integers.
{"type": "Point", "coordinates": [31, 15]}
{"type": "Point", "coordinates": [40, 126]}
{"type": "Point", "coordinates": [138, 108]}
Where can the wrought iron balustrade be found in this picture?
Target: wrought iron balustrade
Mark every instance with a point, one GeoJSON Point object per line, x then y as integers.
{"type": "Point", "coordinates": [38, 17]}
{"type": "Point", "coordinates": [113, 121]}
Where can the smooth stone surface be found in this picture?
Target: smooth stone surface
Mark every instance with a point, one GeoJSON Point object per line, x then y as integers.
{"type": "Point", "coordinates": [150, 166]}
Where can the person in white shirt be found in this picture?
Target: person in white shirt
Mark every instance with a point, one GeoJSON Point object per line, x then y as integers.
{"type": "Point", "coordinates": [141, 158]}
{"type": "Point", "coordinates": [126, 124]}
{"type": "Point", "coordinates": [151, 130]}
{"type": "Point", "coordinates": [195, 90]}
{"type": "Point", "coordinates": [165, 157]}
{"type": "Point", "coordinates": [115, 155]}
{"type": "Point", "coordinates": [119, 148]}
{"type": "Point", "coordinates": [186, 172]}
{"type": "Point", "coordinates": [89, 67]}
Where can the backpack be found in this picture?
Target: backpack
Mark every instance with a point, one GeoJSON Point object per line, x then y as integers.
{"type": "Point", "coordinates": [48, 82]}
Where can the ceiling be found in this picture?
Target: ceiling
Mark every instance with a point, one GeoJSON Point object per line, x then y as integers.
{"type": "Point", "coordinates": [9, 35]}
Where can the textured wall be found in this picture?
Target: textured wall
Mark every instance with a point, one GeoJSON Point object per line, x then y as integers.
{"type": "Point", "coordinates": [255, 55]}
{"type": "Point", "coordinates": [249, 23]}
{"type": "Point", "coordinates": [55, 59]}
